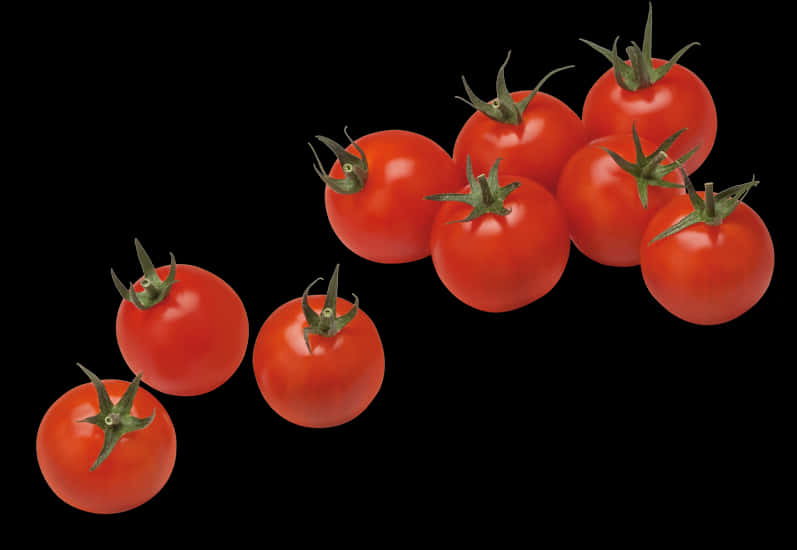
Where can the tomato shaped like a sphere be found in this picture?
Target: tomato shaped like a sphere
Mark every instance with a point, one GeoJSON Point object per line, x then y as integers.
{"type": "Point", "coordinates": [537, 148]}
{"type": "Point", "coordinates": [325, 388]}
{"type": "Point", "coordinates": [388, 221]}
{"type": "Point", "coordinates": [136, 469]}
{"type": "Point", "coordinates": [604, 211]}
{"type": "Point", "coordinates": [497, 262]}
{"type": "Point", "coordinates": [678, 100]}
{"type": "Point", "coordinates": [191, 342]}
{"type": "Point", "coordinates": [707, 274]}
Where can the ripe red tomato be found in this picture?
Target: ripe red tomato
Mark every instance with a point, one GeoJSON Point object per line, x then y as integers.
{"type": "Point", "coordinates": [375, 189]}
{"type": "Point", "coordinates": [604, 203]}
{"type": "Point", "coordinates": [137, 467]}
{"type": "Point", "coordinates": [191, 341]}
{"type": "Point", "coordinates": [706, 273]}
{"type": "Point", "coordinates": [314, 377]}
{"type": "Point", "coordinates": [508, 256]}
{"type": "Point", "coordinates": [660, 100]}
{"type": "Point", "coordinates": [547, 132]}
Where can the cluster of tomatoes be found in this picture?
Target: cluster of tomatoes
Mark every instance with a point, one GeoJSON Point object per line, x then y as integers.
{"type": "Point", "coordinates": [527, 177]}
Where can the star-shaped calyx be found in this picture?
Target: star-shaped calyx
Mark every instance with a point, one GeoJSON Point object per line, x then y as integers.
{"type": "Point", "coordinates": [114, 420]}
{"type": "Point", "coordinates": [647, 169]}
{"type": "Point", "coordinates": [503, 108]}
{"type": "Point", "coordinates": [155, 289]}
{"type": "Point", "coordinates": [640, 73]}
{"type": "Point", "coordinates": [326, 323]}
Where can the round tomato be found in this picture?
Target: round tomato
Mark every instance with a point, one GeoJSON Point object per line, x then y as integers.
{"type": "Point", "coordinates": [660, 96]}
{"type": "Point", "coordinates": [375, 189]}
{"type": "Point", "coordinates": [707, 264]}
{"type": "Point", "coordinates": [532, 132]}
{"type": "Point", "coordinates": [82, 429]}
{"type": "Point", "coordinates": [609, 204]}
{"type": "Point", "coordinates": [182, 326]}
{"type": "Point", "coordinates": [502, 245]}
{"type": "Point", "coordinates": [314, 367]}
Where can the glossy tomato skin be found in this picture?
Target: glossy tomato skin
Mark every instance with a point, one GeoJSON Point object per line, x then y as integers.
{"type": "Point", "coordinates": [678, 100]}
{"type": "Point", "coordinates": [137, 468]}
{"type": "Point", "coordinates": [388, 221]}
{"type": "Point", "coordinates": [329, 387]}
{"type": "Point", "coordinates": [499, 263]}
{"type": "Point", "coordinates": [708, 275]}
{"type": "Point", "coordinates": [601, 201]}
{"type": "Point", "coordinates": [192, 341]}
{"type": "Point", "coordinates": [537, 148]}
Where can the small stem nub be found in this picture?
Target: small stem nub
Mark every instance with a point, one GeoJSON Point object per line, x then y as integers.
{"type": "Point", "coordinates": [709, 198]}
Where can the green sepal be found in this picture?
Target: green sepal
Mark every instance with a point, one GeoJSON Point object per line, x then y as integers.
{"type": "Point", "coordinates": [155, 289]}
{"type": "Point", "coordinates": [486, 195]}
{"type": "Point", "coordinates": [711, 210]}
{"type": "Point", "coordinates": [114, 420]}
{"type": "Point", "coordinates": [503, 108]}
{"type": "Point", "coordinates": [355, 168]}
{"type": "Point", "coordinates": [647, 170]}
{"type": "Point", "coordinates": [326, 323]}
{"type": "Point", "coordinates": [641, 73]}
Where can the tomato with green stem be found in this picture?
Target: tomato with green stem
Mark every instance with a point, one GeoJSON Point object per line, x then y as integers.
{"type": "Point", "coordinates": [184, 327]}
{"type": "Point", "coordinates": [534, 133]}
{"type": "Point", "coordinates": [502, 244]}
{"type": "Point", "coordinates": [660, 96]}
{"type": "Point", "coordinates": [374, 193]}
{"type": "Point", "coordinates": [318, 360]}
{"type": "Point", "coordinates": [609, 200]}
{"type": "Point", "coordinates": [708, 258]}
{"type": "Point", "coordinates": [107, 446]}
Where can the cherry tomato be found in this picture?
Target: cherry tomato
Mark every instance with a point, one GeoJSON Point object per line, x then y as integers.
{"type": "Point", "coordinates": [536, 145]}
{"type": "Point", "coordinates": [192, 339]}
{"type": "Point", "coordinates": [375, 189]}
{"type": "Point", "coordinates": [659, 101]}
{"type": "Point", "coordinates": [313, 376]}
{"type": "Point", "coordinates": [135, 470]}
{"type": "Point", "coordinates": [605, 205]}
{"type": "Point", "coordinates": [707, 273]}
{"type": "Point", "coordinates": [511, 253]}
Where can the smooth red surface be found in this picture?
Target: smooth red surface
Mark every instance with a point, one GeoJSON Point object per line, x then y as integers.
{"type": "Point", "coordinates": [678, 100]}
{"type": "Point", "coordinates": [499, 263]}
{"type": "Point", "coordinates": [389, 221]}
{"type": "Point", "coordinates": [134, 472]}
{"type": "Point", "coordinates": [537, 148]}
{"type": "Point", "coordinates": [705, 274]}
{"type": "Point", "coordinates": [191, 342]}
{"type": "Point", "coordinates": [601, 201]}
{"type": "Point", "coordinates": [329, 387]}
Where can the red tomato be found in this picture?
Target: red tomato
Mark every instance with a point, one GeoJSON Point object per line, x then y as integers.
{"type": "Point", "coordinates": [192, 341]}
{"type": "Point", "coordinates": [707, 274]}
{"type": "Point", "coordinates": [537, 148]}
{"type": "Point", "coordinates": [602, 202]}
{"type": "Point", "coordinates": [660, 96]}
{"type": "Point", "coordinates": [325, 387]}
{"type": "Point", "coordinates": [500, 262]}
{"type": "Point", "coordinates": [678, 100]}
{"type": "Point", "coordinates": [387, 220]}
{"type": "Point", "coordinates": [136, 469]}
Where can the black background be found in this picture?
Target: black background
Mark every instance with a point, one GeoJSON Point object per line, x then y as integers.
{"type": "Point", "coordinates": [189, 130]}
